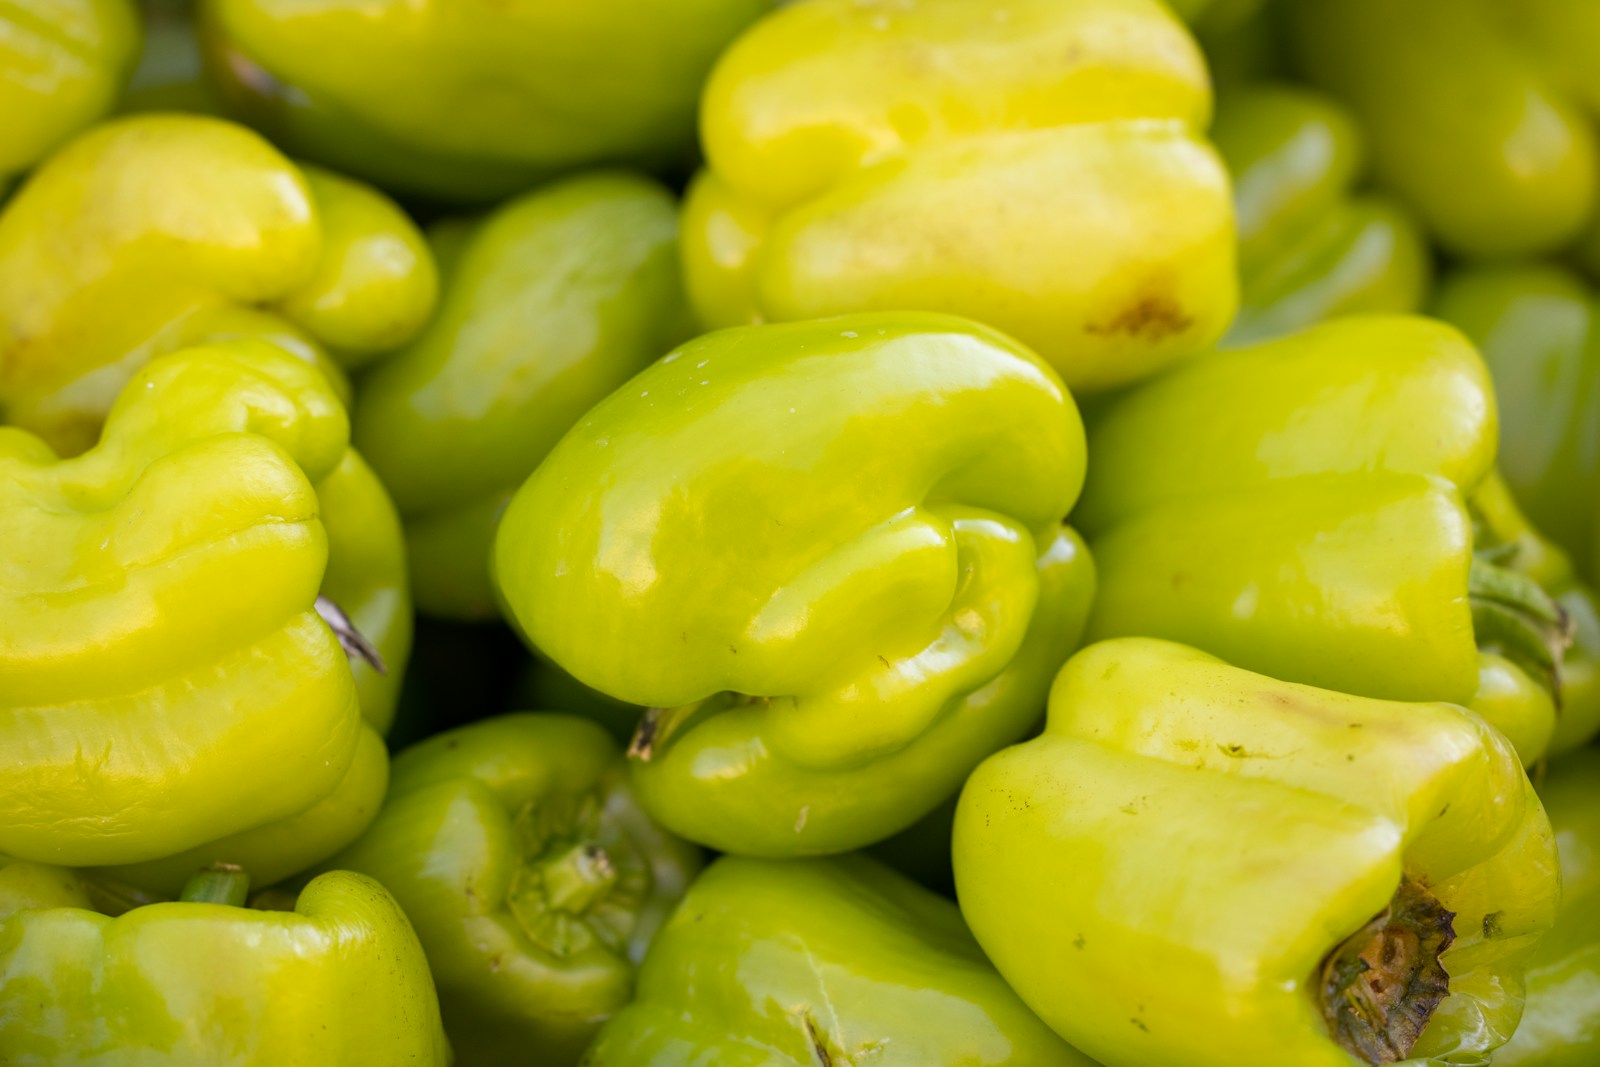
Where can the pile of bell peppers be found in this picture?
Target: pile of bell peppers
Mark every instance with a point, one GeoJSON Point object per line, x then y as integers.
{"type": "Point", "coordinates": [799, 533]}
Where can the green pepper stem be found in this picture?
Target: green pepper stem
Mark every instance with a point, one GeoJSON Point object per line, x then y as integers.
{"type": "Point", "coordinates": [575, 878]}
{"type": "Point", "coordinates": [1513, 615]}
{"type": "Point", "coordinates": [221, 883]}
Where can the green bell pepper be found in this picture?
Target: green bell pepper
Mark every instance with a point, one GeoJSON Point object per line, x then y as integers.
{"type": "Point", "coordinates": [1198, 865]}
{"type": "Point", "coordinates": [1310, 249]}
{"type": "Point", "coordinates": [471, 101]}
{"type": "Point", "coordinates": [1561, 1024]}
{"type": "Point", "coordinates": [534, 881]}
{"type": "Point", "coordinates": [549, 304]}
{"type": "Point", "coordinates": [168, 680]}
{"type": "Point", "coordinates": [1470, 124]}
{"type": "Point", "coordinates": [205, 981]}
{"type": "Point", "coordinates": [827, 961]}
{"type": "Point", "coordinates": [1041, 172]}
{"type": "Point", "coordinates": [1538, 330]}
{"type": "Point", "coordinates": [157, 232]}
{"type": "Point", "coordinates": [62, 63]}
{"type": "Point", "coordinates": [829, 556]}
{"type": "Point", "coordinates": [1328, 537]}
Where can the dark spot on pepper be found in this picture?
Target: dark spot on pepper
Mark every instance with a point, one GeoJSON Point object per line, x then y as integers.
{"type": "Point", "coordinates": [1491, 925]}
{"type": "Point", "coordinates": [1079, 942]}
{"type": "Point", "coordinates": [1152, 316]}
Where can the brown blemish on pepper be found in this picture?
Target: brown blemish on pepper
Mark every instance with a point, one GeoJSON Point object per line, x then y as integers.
{"type": "Point", "coordinates": [1152, 317]}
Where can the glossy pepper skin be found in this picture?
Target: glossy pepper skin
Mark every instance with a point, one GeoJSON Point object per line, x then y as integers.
{"type": "Point", "coordinates": [1328, 537]}
{"type": "Point", "coordinates": [340, 979]}
{"type": "Point", "coordinates": [62, 63]}
{"type": "Point", "coordinates": [533, 879]}
{"type": "Point", "coordinates": [835, 619]}
{"type": "Point", "coordinates": [775, 963]}
{"type": "Point", "coordinates": [471, 100]}
{"type": "Point", "coordinates": [938, 156]}
{"type": "Point", "coordinates": [158, 611]}
{"type": "Point", "coordinates": [152, 233]}
{"type": "Point", "coordinates": [1561, 1024]}
{"type": "Point", "coordinates": [1310, 248]}
{"type": "Point", "coordinates": [1469, 125]}
{"type": "Point", "coordinates": [1293, 814]}
{"type": "Point", "coordinates": [1538, 327]}
{"type": "Point", "coordinates": [549, 304]}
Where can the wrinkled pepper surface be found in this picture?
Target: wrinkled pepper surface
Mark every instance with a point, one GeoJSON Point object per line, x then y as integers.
{"type": "Point", "coordinates": [1310, 248]}
{"type": "Point", "coordinates": [152, 233]}
{"type": "Point", "coordinates": [471, 100]}
{"type": "Point", "coordinates": [823, 961]}
{"type": "Point", "coordinates": [1199, 865]}
{"type": "Point", "coordinates": [830, 557]}
{"type": "Point", "coordinates": [533, 879]}
{"type": "Point", "coordinates": [1538, 327]}
{"type": "Point", "coordinates": [62, 64]}
{"type": "Point", "coordinates": [1475, 119]}
{"type": "Point", "coordinates": [1561, 1024]}
{"type": "Point", "coordinates": [205, 981]}
{"type": "Point", "coordinates": [549, 304]}
{"type": "Point", "coordinates": [169, 683]}
{"type": "Point", "coordinates": [1328, 531]}
{"type": "Point", "coordinates": [1040, 169]}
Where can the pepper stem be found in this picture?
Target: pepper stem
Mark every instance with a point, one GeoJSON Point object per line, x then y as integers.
{"type": "Point", "coordinates": [352, 640]}
{"type": "Point", "coordinates": [1379, 988]}
{"type": "Point", "coordinates": [221, 883]}
{"type": "Point", "coordinates": [1513, 615]}
{"type": "Point", "coordinates": [576, 877]}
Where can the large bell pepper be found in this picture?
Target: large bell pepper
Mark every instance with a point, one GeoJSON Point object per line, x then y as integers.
{"type": "Point", "coordinates": [157, 232]}
{"type": "Point", "coordinates": [533, 880]}
{"type": "Point", "coordinates": [828, 555]}
{"type": "Point", "coordinates": [1309, 248]}
{"type": "Point", "coordinates": [1037, 168]}
{"type": "Point", "coordinates": [471, 100]}
{"type": "Point", "coordinates": [824, 961]}
{"type": "Point", "coordinates": [167, 677]}
{"type": "Point", "coordinates": [549, 304]}
{"type": "Point", "coordinates": [204, 980]}
{"type": "Point", "coordinates": [1538, 328]}
{"type": "Point", "coordinates": [1470, 123]}
{"type": "Point", "coordinates": [1198, 865]}
{"type": "Point", "coordinates": [1561, 1024]}
{"type": "Point", "coordinates": [62, 63]}
{"type": "Point", "coordinates": [1327, 535]}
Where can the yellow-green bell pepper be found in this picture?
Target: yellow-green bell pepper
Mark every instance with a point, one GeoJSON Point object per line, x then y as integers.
{"type": "Point", "coordinates": [471, 99]}
{"type": "Point", "coordinates": [1310, 249]}
{"type": "Point", "coordinates": [1468, 124]}
{"type": "Point", "coordinates": [1198, 865]}
{"type": "Point", "coordinates": [1038, 168]}
{"type": "Point", "coordinates": [168, 680]}
{"type": "Point", "coordinates": [826, 961]}
{"type": "Point", "coordinates": [829, 556]}
{"type": "Point", "coordinates": [1326, 532]}
{"type": "Point", "coordinates": [205, 981]}
{"type": "Point", "coordinates": [549, 304]}
{"type": "Point", "coordinates": [1561, 1024]}
{"type": "Point", "coordinates": [62, 63]}
{"type": "Point", "coordinates": [534, 881]}
{"type": "Point", "coordinates": [152, 233]}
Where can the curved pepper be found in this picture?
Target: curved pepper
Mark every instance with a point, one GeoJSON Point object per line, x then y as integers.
{"type": "Point", "coordinates": [1309, 249]}
{"type": "Point", "coordinates": [550, 303]}
{"type": "Point", "coordinates": [879, 156]}
{"type": "Point", "coordinates": [1327, 537]}
{"type": "Point", "coordinates": [533, 879]}
{"type": "Point", "coordinates": [167, 679]}
{"type": "Point", "coordinates": [1561, 1025]}
{"type": "Point", "coordinates": [62, 63]}
{"type": "Point", "coordinates": [828, 555]}
{"type": "Point", "coordinates": [1468, 125]}
{"type": "Point", "coordinates": [1362, 881]}
{"type": "Point", "coordinates": [340, 979]}
{"type": "Point", "coordinates": [830, 961]}
{"type": "Point", "coordinates": [1537, 327]}
{"type": "Point", "coordinates": [471, 101]}
{"type": "Point", "coordinates": [157, 232]}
